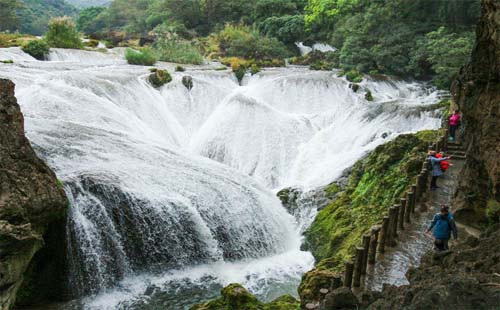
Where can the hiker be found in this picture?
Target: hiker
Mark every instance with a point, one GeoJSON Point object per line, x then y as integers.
{"type": "Point", "coordinates": [444, 164]}
{"type": "Point", "coordinates": [436, 169]}
{"type": "Point", "coordinates": [444, 225]}
{"type": "Point", "coordinates": [455, 120]}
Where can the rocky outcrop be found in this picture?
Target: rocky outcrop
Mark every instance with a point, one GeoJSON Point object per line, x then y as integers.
{"type": "Point", "coordinates": [31, 203]}
{"type": "Point", "coordinates": [476, 92]}
{"type": "Point", "coordinates": [466, 278]}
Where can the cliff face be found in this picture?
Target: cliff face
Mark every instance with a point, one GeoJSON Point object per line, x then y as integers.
{"type": "Point", "coordinates": [476, 92]}
{"type": "Point", "coordinates": [31, 201]}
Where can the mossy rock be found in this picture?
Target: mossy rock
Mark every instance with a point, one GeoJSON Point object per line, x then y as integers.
{"type": "Point", "coordinates": [236, 297]}
{"type": "Point", "coordinates": [180, 69]}
{"type": "Point", "coordinates": [368, 96]}
{"type": "Point", "coordinates": [353, 76]}
{"type": "Point", "coordinates": [8, 61]}
{"type": "Point", "coordinates": [240, 73]}
{"type": "Point", "coordinates": [158, 78]}
{"type": "Point", "coordinates": [313, 281]}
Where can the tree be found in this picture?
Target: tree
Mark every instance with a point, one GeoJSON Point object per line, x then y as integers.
{"type": "Point", "coordinates": [288, 28]}
{"type": "Point", "coordinates": [62, 33]}
{"type": "Point", "coordinates": [8, 17]}
{"type": "Point", "coordinates": [88, 21]}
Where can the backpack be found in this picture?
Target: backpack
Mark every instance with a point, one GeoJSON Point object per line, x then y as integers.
{"type": "Point", "coordinates": [445, 165]}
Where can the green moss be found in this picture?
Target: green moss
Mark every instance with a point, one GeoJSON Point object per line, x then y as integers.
{"type": "Point", "coordinates": [60, 183]}
{"type": "Point", "coordinates": [159, 78]}
{"type": "Point", "coordinates": [180, 69]}
{"type": "Point", "coordinates": [369, 96]}
{"type": "Point", "coordinates": [313, 281]}
{"type": "Point", "coordinates": [236, 297]}
{"type": "Point", "coordinates": [493, 211]}
{"type": "Point", "coordinates": [332, 189]}
{"type": "Point", "coordinates": [8, 61]}
{"type": "Point", "coordinates": [354, 76]}
{"type": "Point", "coordinates": [374, 184]}
{"type": "Point", "coordinates": [240, 72]}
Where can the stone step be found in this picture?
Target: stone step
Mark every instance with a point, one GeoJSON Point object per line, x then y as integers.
{"type": "Point", "coordinates": [459, 157]}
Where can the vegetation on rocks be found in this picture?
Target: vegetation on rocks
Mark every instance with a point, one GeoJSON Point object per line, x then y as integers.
{"type": "Point", "coordinates": [236, 297]}
{"type": "Point", "coordinates": [374, 184]}
{"type": "Point", "coordinates": [39, 49]}
{"type": "Point", "coordinates": [158, 78]}
{"type": "Point", "coordinates": [62, 33]}
{"type": "Point", "coordinates": [143, 57]}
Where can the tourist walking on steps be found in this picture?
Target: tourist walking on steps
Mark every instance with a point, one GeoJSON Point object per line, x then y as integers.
{"type": "Point", "coordinates": [455, 120]}
{"type": "Point", "coordinates": [436, 169]}
{"type": "Point", "coordinates": [443, 225]}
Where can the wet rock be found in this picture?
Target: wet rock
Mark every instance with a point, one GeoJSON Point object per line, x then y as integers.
{"type": "Point", "coordinates": [368, 95]}
{"type": "Point", "coordinates": [158, 78]}
{"type": "Point", "coordinates": [341, 298]}
{"type": "Point", "coordinates": [385, 135]}
{"type": "Point", "coordinates": [187, 81]}
{"type": "Point", "coordinates": [288, 197]}
{"type": "Point", "coordinates": [354, 87]}
{"type": "Point", "coordinates": [313, 281]}
{"type": "Point", "coordinates": [32, 213]}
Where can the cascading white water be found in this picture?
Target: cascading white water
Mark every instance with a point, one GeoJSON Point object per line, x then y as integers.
{"type": "Point", "coordinates": [149, 207]}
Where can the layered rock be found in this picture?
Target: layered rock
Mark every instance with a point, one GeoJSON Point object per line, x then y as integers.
{"type": "Point", "coordinates": [476, 92]}
{"type": "Point", "coordinates": [32, 206]}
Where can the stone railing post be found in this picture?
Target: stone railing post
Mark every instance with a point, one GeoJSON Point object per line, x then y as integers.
{"type": "Point", "coordinates": [414, 198]}
{"type": "Point", "coordinates": [397, 208]}
{"type": "Point", "coordinates": [402, 212]}
{"type": "Point", "coordinates": [390, 240]}
{"type": "Point", "coordinates": [373, 245]}
{"type": "Point", "coordinates": [349, 270]}
{"type": "Point", "coordinates": [383, 234]}
{"type": "Point", "coordinates": [366, 247]}
{"type": "Point", "coordinates": [357, 267]}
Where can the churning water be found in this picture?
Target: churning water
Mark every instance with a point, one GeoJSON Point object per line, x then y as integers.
{"type": "Point", "coordinates": [173, 191]}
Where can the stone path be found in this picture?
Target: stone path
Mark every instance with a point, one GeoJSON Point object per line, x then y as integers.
{"type": "Point", "coordinates": [413, 243]}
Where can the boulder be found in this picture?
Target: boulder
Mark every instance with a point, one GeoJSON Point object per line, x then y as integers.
{"type": "Point", "coordinates": [187, 81]}
{"type": "Point", "coordinates": [341, 298]}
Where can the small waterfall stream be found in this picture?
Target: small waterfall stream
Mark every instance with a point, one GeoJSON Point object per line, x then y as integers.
{"type": "Point", "coordinates": [173, 191]}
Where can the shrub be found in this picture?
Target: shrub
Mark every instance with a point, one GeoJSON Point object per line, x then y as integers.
{"type": "Point", "coordinates": [180, 69]}
{"type": "Point", "coordinates": [92, 43]}
{"type": "Point", "coordinates": [62, 33]}
{"type": "Point", "coordinates": [254, 69]}
{"type": "Point", "coordinates": [38, 49]}
{"type": "Point", "coordinates": [158, 78]}
{"type": "Point", "coordinates": [241, 41]}
{"type": "Point", "coordinates": [353, 76]}
{"type": "Point", "coordinates": [171, 48]}
{"type": "Point", "coordinates": [144, 57]}
{"type": "Point", "coordinates": [240, 73]}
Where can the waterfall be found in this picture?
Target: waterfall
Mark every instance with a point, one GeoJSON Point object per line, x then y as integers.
{"type": "Point", "coordinates": [176, 185]}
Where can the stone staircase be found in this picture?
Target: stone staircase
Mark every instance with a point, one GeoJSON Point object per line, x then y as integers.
{"type": "Point", "coordinates": [456, 150]}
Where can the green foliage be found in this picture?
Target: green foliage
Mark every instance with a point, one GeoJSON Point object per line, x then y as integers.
{"type": "Point", "coordinates": [88, 21]}
{"type": "Point", "coordinates": [8, 61]}
{"type": "Point", "coordinates": [447, 52]}
{"type": "Point", "coordinates": [35, 14]}
{"type": "Point", "coordinates": [254, 69]}
{"type": "Point", "coordinates": [169, 47]}
{"type": "Point", "coordinates": [143, 57]}
{"type": "Point", "coordinates": [15, 39]}
{"type": "Point", "coordinates": [374, 184]}
{"type": "Point", "coordinates": [287, 29]}
{"type": "Point", "coordinates": [353, 76]}
{"type": "Point", "coordinates": [368, 95]}
{"type": "Point", "coordinates": [8, 17]}
{"type": "Point", "coordinates": [158, 78]}
{"type": "Point", "coordinates": [38, 49]}
{"type": "Point", "coordinates": [62, 33]}
{"type": "Point", "coordinates": [236, 297]}
{"type": "Point", "coordinates": [240, 72]}
{"type": "Point", "coordinates": [242, 41]}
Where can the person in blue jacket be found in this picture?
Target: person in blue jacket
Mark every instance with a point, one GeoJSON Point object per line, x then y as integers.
{"type": "Point", "coordinates": [444, 225]}
{"type": "Point", "coordinates": [436, 171]}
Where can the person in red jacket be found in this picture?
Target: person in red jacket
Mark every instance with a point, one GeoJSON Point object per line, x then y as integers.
{"type": "Point", "coordinates": [444, 164]}
{"type": "Point", "coordinates": [455, 120]}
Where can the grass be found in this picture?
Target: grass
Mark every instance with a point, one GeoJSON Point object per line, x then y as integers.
{"type": "Point", "coordinates": [143, 57]}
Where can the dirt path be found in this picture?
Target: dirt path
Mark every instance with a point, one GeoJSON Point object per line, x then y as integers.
{"type": "Point", "coordinates": [413, 243]}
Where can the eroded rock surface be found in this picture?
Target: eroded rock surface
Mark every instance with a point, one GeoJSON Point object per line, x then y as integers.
{"type": "Point", "coordinates": [31, 201]}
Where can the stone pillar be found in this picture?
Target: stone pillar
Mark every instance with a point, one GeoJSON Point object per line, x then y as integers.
{"type": "Point", "coordinates": [390, 231]}
{"type": "Point", "coordinates": [349, 270]}
{"type": "Point", "coordinates": [383, 234]}
{"type": "Point", "coordinates": [396, 220]}
{"type": "Point", "coordinates": [409, 201]}
{"type": "Point", "coordinates": [366, 247]}
{"type": "Point", "coordinates": [414, 200]}
{"type": "Point", "coordinates": [402, 212]}
{"type": "Point", "coordinates": [372, 253]}
{"type": "Point", "coordinates": [357, 267]}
